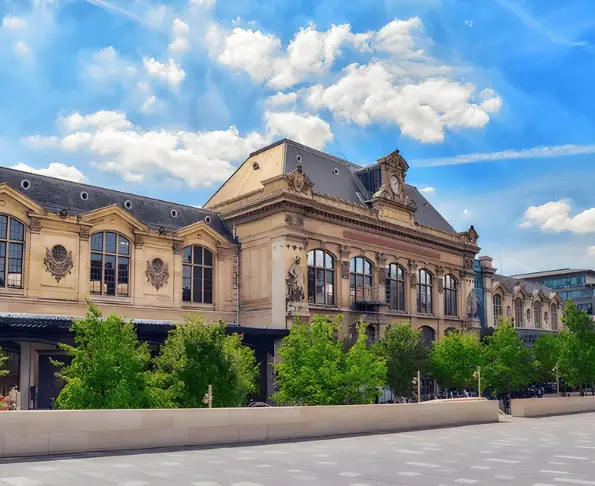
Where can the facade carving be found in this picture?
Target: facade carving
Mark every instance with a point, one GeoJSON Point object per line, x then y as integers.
{"type": "Point", "coordinates": [58, 261]}
{"type": "Point", "coordinates": [157, 273]}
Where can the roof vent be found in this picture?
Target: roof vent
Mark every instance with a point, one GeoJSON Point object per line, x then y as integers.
{"type": "Point", "coordinates": [84, 195]}
{"type": "Point", "coordinates": [174, 213]}
{"type": "Point", "coordinates": [208, 219]}
{"type": "Point", "coordinates": [298, 158]}
{"type": "Point", "coordinates": [25, 184]}
{"type": "Point", "coordinates": [255, 165]}
{"type": "Point", "coordinates": [336, 171]}
{"type": "Point", "coordinates": [128, 204]}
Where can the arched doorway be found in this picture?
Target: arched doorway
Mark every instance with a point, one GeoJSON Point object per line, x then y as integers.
{"type": "Point", "coordinates": [428, 335]}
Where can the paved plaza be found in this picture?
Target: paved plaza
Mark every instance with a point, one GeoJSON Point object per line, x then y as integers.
{"type": "Point", "coordinates": [556, 451]}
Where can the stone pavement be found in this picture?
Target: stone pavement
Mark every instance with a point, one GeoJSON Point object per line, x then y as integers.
{"type": "Point", "coordinates": [556, 451]}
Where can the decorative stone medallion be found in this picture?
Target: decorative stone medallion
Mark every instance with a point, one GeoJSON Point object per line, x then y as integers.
{"type": "Point", "coordinates": [157, 273]}
{"type": "Point", "coordinates": [58, 261]}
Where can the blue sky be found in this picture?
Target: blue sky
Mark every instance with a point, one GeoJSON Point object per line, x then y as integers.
{"type": "Point", "coordinates": [490, 102]}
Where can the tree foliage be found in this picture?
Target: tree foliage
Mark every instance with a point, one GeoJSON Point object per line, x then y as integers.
{"type": "Point", "coordinates": [577, 347]}
{"type": "Point", "coordinates": [454, 360]}
{"type": "Point", "coordinates": [3, 360]}
{"type": "Point", "coordinates": [546, 353]}
{"type": "Point", "coordinates": [405, 354]}
{"type": "Point", "coordinates": [315, 369]}
{"type": "Point", "coordinates": [508, 364]}
{"type": "Point", "coordinates": [197, 355]}
{"type": "Point", "coordinates": [108, 368]}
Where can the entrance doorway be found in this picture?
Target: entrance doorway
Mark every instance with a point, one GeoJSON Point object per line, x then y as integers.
{"type": "Point", "coordinates": [50, 385]}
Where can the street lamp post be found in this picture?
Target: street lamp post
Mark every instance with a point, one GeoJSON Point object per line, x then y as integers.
{"type": "Point", "coordinates": [477, 375]}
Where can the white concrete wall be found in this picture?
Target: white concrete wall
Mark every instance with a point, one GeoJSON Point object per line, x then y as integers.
{"type": "Point", "coordinates": [53, 432]}
{"type": "Point", "coordinates": [542, 407]}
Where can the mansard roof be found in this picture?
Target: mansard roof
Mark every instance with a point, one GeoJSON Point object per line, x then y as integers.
{"type": "Point", "coordinates": [56, 194]}
{"type": "Point", "coordinates": [339, 178]}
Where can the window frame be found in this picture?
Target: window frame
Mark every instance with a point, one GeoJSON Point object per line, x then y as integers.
{"type": "Point", "coordinates": [427, 285]}
{"type": "Point", "coordinates": [518, 310]}
{"type": "Point", "coordinates": [394, 301]}
{"type": "Point", "coordinates": [192, 275]}
{"type": "Point", "coordinates": [537, 314]}
{"type": "Point", "coordinates": [451, 295]}
{"type": "Point", "coordinates": [354, 274]}
{"type": "Point", "coordinates": [8, 243]}
{"type": "Point", "coordinates": [497, 309]}
{"type": "Point", "coordinates": [103, 253]}
{"type": "Point", "coordinates": [313, 267]}
{"type": "Point", "coordinates": [554, 317]}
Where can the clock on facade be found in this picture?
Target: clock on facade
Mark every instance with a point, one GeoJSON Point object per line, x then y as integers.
{"type": "Point", "coordinates": [395, 185]}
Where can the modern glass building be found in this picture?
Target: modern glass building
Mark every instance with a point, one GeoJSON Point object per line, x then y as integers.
{"type": "Point", "coordinates": [568, 283]}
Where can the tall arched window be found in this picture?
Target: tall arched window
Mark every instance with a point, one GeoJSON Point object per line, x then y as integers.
{"type": "Point", "coordinates": [424, 292]}
{"type": "Point", "coordinates": [537, 313]}
{"type": "Point", "coordinates": [197, 275]}
{"type": "Point", "coordinates": [518, 312]}
{"type": "Point", "coordinates": [110, 264]}
{"type": "Point", "coordinates": [321, 277]}
{"type": "Point", "coordinates": [554, 314]}
{"type": "Point", "coordinates": [360, 279]}
{"type": "Point", "coordinates": [451, 290]}
{"type": "Point", "coordinates": [12, 242]}
{"type": "Point", "coordinates": [497, 309]}
{"type": "Point", "coordinates": [395, 287]}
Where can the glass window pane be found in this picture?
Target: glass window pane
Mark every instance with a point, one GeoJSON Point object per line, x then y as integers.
{"type": "Point", "coordinates": [3, 227]}
{"type": "Point", "coordinates": [319, 262]}
{"type": "Point", "coordinates": [17, 230]}
{"type": "Point", "coordinates": [187, 255]}
{"type": "Point", "coordinates": [2, 263]}
{"type": "Point", "coordinates": [393, 271]}
{"type": "Point", "coordinates": [352, 265]}
{"type": "Point", "coordinates": [319, 286]}
{"type": "Point", "coordinates": [328, 261]}
{"type": "Point", "coordinates": [208, 286]}
{"type": "Point", "coordinates": [359, 280]}
{"type": "Point", "coordinates": [197, 255]}
{"type": "Point", "coordinates": [15, 266]}
{"type": "Point", "coordinates": [367, 267]}
{"type": "Point", "coordinates": [401, 274]}
{"type": "Point", "coordinates": [330, 284]}
{"type": "Point", "coordinates": [123, 275]}
{"type": "Point", "coordinates": [109, 275]}
{"type": "Point", "coordinates": [196, 284]}
{"type": "Point", "coordinates": [186, 283]}
{"type": "Point", "coordinates": [368, 282]}
{"type": "Point", "coordinates": [208, 261]}
{"type": "Point", "coordinates": [310, 258]}
{"type": "Point", "coordinates": [110, 242]}
{"type": "Point", "coordinates": [311, 285]}
{"type": "Point", "coordinates": [96, 271]}
{"type": "Point", "coordinates": [359, 265]}
{"type": "Point", "coordinates": [97, 242]}
{"type": "Point", "coordinates": [401, 297]}
{"type": "Point", "coordinates": [123, 246]}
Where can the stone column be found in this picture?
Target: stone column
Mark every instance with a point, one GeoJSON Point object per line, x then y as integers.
{"type": "Point", "coordinates": [26, 367]}
{"type": "Point", "coordinates": [343, 278]}
{"type": "Point", "coordinates": [84, 263]}
{"type": "Point", "coordinates": [34, 255]}
{"type": "Point", "coordinates": [381, 277]}
{"type": "Point", "coordinates": [411, 282]}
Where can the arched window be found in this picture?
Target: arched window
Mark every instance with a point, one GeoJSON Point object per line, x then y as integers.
{"type": "Point", "coordinates": [497, 309]}
{"type": "Point", "coordinates": [110, 264]}
{"type": "Point", "coordinates": [197, 275]}
{"type": "Point", "coordinates": [554, 313]}
{"type": "Point", "coordinates": [428, 335]}
{"type": "Point", "coordinates": [537, 313]}
{"type": "Point", "coordinates": [360, 279]}
{"type": "Point", "coordinates": [518, 312]}
{"type": "Point", "coordinates": [451, 290]}
{"type": "Point", "coordinates": [12, 242]}
{"type": "Point", "coordinates": [395, 287]}
{"type": "Point", "coordinates": [321, 277]}
{"type": "Point", "coordinates": [424, 292]}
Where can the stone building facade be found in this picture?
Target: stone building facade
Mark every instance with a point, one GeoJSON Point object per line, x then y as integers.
{"type": "Point", "coordinates": [293, 232]}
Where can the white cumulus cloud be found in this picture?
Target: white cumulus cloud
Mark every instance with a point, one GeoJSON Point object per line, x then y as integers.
{"type": "Point", "coordinates": [281, 99]}
{"type": "Point", "coordinates": [180, 43]}
{"type": "Point", "coordinates": [555, 216]}
{"type": "Point", "coordinates": [169, 73]}
{"type": "Point", "coordinates": [307, 129]}
{"type": "Point", "coordinates": [55, 169]}
{"type": "Point", "coordinates": [12, 22]}
{"type": "Point", "coordinates": [427, 190]}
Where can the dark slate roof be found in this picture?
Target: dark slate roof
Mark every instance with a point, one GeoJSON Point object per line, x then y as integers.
{"type": "Point", "coordinates": [553, 273]}
{"type": "Point", "coordinates": [528, 286]}
{"type": "Point", "coordinates": [321, 169]}
{"type": "Point", "coordinates": [57, 194]}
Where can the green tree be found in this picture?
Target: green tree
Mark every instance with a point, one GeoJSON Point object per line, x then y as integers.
{"type": "Point", "coordinates": [405, 353]}
{"type": "Point", "coordinates": [455, 359]}
{"type": "Point", "coordinates": [546, 353]}
{"type": "Point", "coordinates": [508, 364]}
{"type": "Point", "coordinates": [108, 368]}
{"type": "Point", "coordinates": [3, 359]}
{"type": "Point", "coordinates": [577, 347]}
{"type": "Point", "coordinates": [316, 369]}
{"type": "Point", "coordinates": [197, 355]}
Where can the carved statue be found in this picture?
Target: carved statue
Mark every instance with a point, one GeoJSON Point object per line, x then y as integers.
{"type": "Point", "coordinates": [157, 273]}
{"type": "Point", "coordinates": [471, 304]}
{"type": "Point", "coordinates": [295, 282]}
{"type": "Point", "coordinates": [58, 261]}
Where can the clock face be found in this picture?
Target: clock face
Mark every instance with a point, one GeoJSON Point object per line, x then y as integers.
{"type": "Point", "coordinates": [394, 184]}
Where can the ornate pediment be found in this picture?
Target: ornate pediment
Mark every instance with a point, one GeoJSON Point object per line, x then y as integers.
{"type": "Point", "coordinates": [393, 169]}
{"type": "Point", "coordinates": [299, 182]}
{"type": "Point", "coordinates": [470, 236]}
{"type": "Point", "coordinates": [98, 215]}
